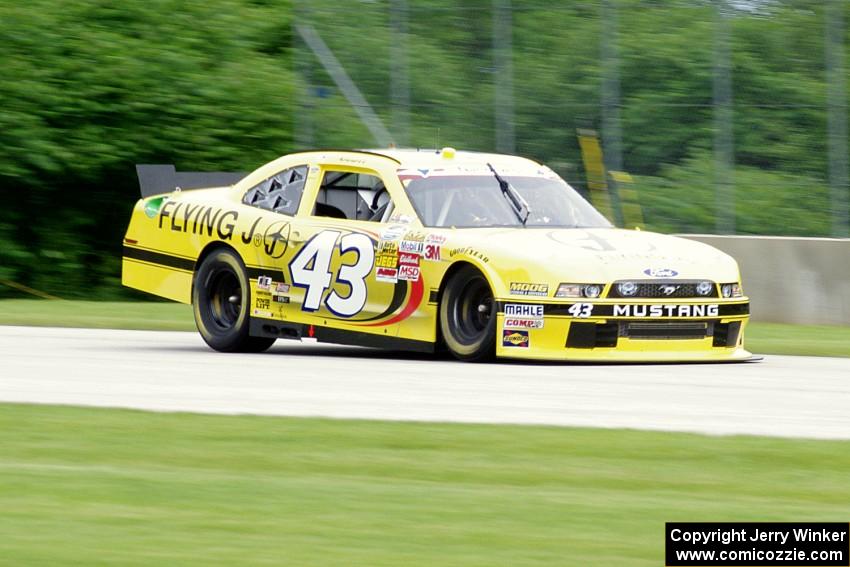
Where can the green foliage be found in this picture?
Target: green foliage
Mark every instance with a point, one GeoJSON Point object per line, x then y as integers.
{"type": "Point", "coordinates": [92, 87]}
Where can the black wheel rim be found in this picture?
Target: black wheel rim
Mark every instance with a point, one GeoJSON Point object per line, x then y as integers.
{"type": "Point", "coordinates": [471, 311]}
{"type": "Point", "coordinates": [224, 298]}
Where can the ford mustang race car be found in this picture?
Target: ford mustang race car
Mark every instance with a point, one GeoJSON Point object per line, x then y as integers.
{"type": "Point", "coordinates": [482, 254]}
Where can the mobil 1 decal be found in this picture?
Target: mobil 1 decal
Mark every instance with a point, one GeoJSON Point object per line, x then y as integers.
{"type": "Point", "coordinates": [311, 270]}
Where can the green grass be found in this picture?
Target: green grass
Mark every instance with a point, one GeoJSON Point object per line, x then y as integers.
{"type": "Point", "coordinates": [108, 487]}
{"type": "Point", "coordinates": [154, 316]}
{"type": "Point", "coordinates": [762, 338]}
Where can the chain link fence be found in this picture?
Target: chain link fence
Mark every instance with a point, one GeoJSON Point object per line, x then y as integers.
{"type": "Point", "coordinates": [717, 116]}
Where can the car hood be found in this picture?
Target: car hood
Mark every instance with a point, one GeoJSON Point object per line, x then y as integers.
{"type": "Point", "coordinates": [600, 255]}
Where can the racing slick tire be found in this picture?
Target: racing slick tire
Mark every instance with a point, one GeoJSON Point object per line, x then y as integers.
{"type": "Point", "coordinates": [468, 316]}
{"type": "Point", "coordinates": [221, 298]}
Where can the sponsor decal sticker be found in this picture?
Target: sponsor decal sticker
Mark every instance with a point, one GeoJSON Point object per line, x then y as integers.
{"type": "Point", "coordinates": [409, 273]}
{"type": "Point", "coordinates": [523, 323]}
{"type": "Point", "coordinates": [433, 252]}
{"type": "Point", "coordinates": [515, 339]}
{"type": "Point", "coordinates": [280, 299]}
{"type": "Point", "coordinates": [282, 288]}
{"type": "Point", "coordinates": [535, 289]}
{"type": "Point", "coordinates": [407, 259]}
{"type": "Point", "coordinates": [264, 283]}
{"type": "Point", "coordinates": [523, 310]}
{"type": "Point", "coordinates": [262, 313]}
{"type": "Point", "coordinates": [400, 218]}
{"type": "Point", "coordinates": [389, 275]}
{"type": "Point", "coordinates": [393, 233]}
{"type": "Point", "coordinates": [262, 303]}
{"type": "Point", "coordinates": [661, 272]}
{"type": "Point", "coordinates": [435, 239]}
{"type": "Point", "coordinates": [523, 316]}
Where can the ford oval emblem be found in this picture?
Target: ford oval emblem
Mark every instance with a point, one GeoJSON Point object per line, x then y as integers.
{"type": "Point", "coordinates": [661, 272]}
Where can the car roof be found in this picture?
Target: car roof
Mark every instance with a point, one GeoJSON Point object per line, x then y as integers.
{"type": "Point", "coordinates": [421, 157]}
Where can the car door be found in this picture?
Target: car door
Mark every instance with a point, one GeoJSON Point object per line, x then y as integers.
{"type": "Point", "coordinates": [270, 222]}
{"type": "Point", "coordinates": [344, 252]}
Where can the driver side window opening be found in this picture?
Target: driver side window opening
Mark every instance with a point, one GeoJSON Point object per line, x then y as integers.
{"type": "Point", "coordinates": [353, 196]}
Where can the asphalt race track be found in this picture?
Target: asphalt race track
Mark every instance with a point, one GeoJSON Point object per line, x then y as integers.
{"type": "Point", "coordinates": [168, 371]}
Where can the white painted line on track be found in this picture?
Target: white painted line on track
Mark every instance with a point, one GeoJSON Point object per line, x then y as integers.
{"type": "Point", "coordinates": [783, 396]}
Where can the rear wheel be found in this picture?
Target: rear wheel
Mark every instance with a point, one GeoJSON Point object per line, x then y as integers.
{"type": "Point", "coordinates": [468, 316]}
{"type": "Point", "coordinates": [221, 298]}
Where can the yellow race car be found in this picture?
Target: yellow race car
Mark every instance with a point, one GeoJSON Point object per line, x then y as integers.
{"type": "Point", "coordinates": [483, 254]}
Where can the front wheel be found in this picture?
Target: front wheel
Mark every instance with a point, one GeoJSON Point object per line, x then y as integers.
{"type": "Point", "coordinates": [221, 298]}
{"type": "Point", "coordinates": [468, 316]}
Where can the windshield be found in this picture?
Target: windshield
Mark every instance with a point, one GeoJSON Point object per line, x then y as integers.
{"type": "Point", "coordinates": [463, 201]}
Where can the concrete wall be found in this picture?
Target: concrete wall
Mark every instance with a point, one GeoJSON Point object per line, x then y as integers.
{"type": "Point", "coordinates": [791, 280]}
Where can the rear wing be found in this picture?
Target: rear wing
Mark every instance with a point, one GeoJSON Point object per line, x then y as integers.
{"type": "Point", "coordinates": [155, 179]}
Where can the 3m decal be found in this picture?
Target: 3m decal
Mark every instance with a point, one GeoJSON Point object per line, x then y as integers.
{"type": "Point", "coordinates": [433, 252]}
{"type": "Point", "coordinates": [310, 269]}
{"type": "Point", "coordinates": [534, 289]}
{"type": "Point", "coordinates": [515, 339]}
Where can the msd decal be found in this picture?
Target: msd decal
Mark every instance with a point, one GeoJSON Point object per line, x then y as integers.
{"type": "Point", "coordinates": [410, 273]}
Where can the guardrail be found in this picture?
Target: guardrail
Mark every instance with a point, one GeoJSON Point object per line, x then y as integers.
{"type": "Point", "coordinates": [791, 280]}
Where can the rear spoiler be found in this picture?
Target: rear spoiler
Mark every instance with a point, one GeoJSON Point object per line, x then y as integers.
{"type": "Point", "coordinates": [160, 178]}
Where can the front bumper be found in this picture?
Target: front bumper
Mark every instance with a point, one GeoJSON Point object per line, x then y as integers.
{"type": "Point", "coordinates": [626, 331]}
